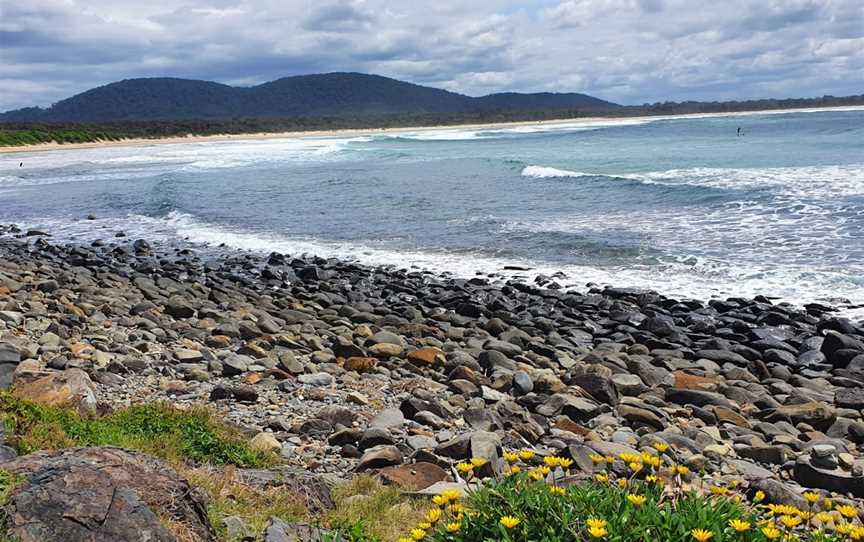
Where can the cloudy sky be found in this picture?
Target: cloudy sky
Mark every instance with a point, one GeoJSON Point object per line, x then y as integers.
{"type": "Point", "coordinates": [629, 51]}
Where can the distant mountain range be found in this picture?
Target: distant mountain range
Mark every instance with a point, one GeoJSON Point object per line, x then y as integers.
{"type": "Point", "coordinates": [321, 95]}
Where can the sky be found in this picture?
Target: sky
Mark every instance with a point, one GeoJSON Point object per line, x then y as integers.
{"type": "Point", "coordinates": [626, 51]}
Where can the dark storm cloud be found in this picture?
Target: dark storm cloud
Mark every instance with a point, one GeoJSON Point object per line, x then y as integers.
{"type": "Point", "coordinates": [624, 50]}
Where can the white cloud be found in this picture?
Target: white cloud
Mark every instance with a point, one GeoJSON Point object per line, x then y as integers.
{"type": "Point", "coordinates": [624, 50]}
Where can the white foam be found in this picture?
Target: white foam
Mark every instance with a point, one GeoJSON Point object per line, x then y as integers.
{"type": "Point", "coordinates": [840, 180]}
{"type": "Point", "coordinates": [542, 172]}
{"type": "Point", "coordinates": [686, 276]}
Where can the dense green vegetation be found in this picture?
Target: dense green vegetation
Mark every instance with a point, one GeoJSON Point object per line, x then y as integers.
{"type": "Point", "coordinates": [28, 133]}
{"type": "Point", "coordinates": [166, 432]}
{"type": "Point", "coordinates": [156, 108]}
{"type": "Point", "coordinates": [332, 94]}
{"type": "Point", "coordinates": [632, 498]}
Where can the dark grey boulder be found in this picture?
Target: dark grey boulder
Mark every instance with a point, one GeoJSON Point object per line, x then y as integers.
{"type": "Point", "coordinates": [101, 494]}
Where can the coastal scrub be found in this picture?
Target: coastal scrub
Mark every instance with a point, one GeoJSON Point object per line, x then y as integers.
{"type": "Point", "coordinates": [659, 501]}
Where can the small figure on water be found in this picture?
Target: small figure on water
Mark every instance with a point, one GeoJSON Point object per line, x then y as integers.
{"type": "Point", "coordinates": [739, 132]}
{"type": "Point", "coordinates": [21, 164]}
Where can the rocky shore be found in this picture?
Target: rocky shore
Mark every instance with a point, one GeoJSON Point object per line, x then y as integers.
{"type": "Point", "coordinates": [343, 368]}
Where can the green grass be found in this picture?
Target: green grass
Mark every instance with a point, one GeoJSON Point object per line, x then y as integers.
{"type": "Point", "coordinates": [166, 432]}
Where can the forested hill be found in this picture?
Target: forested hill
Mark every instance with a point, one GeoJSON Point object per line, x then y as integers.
{"type": "Point", "coordinates": [322, 95]}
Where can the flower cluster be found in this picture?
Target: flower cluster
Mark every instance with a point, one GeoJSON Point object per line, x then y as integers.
{"type": "Point", "coordinates": [632, 494]}
{"type": "Point", "coordinates": [446, 514]}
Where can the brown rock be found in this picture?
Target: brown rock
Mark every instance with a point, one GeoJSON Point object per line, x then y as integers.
{"type": "Point", "coordinates": [386, 350]}
{"type": "Point", "coordinates": [566, 424]}
{"type": "Point", "coordinates": [818, 415]}
{"type": "Point", "coordinates": [693, 382]}
{"type": "Point", "coordinates": [427, 356]}
{"type": "Point", "coordinates": [253, 378]}
{"type": "Point", "coordinates": [724, 414]}
{"type": "Point", "coordinates": [218, 341]}
{"type": "Point", "coordinates": [415, 477]}
{"type": "Point", "coordinates": [359, 364]}
{"type": "Point", "coordinates": [379, 457]}
{"type": "Point", "coordinates": [71, 387]}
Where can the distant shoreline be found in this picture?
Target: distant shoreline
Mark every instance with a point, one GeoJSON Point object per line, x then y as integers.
{"type": "Point", "coordinates": [130, 142]}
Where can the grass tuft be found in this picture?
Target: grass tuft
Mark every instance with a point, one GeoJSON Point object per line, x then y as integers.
{"type": "Point", "coordinates": [368, 511]}
{"type": "Point", "coordinates": [177, 436]}
{"type": "Point", "coordinates": [229, 496]}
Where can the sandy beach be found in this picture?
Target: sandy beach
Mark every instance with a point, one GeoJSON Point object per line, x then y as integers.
{"type": "Point", "coordinates": [370, 131]}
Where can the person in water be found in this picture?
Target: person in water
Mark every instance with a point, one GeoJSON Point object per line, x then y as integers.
{"type": "Point", "coordinates": [739, 131]}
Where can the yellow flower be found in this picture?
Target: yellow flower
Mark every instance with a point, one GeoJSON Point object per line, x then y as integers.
{"type": "Point", "coordinates": [630, 458]}
{"type": "Point", "coordinates": [857, 533]}
{"type": "Point", "coordinates": [456, 508]}
{"type": "Point", "coordinates": [403, 539]}
{"type": "Point", "coordinates": [844, 528]}
{"type": "Point", "coordinates": [651, 478]}
{"type": "Point", "coordinates": [759, 497]}
{"type": "Point", "coordinates": [515, 469]}
{"type": "Point", "coordinates": [465, 468]}
{"type": "Point", "coordinates": [771, 532]}
{"type": "Point", "coordinates": [509, 521]}
{"type": "Point", "coordinates": [622, 483]}
{"type": "Point", "coordinates": [805, 515]}
{"type": "Point", "coordinates": [453, 527]}
{"type": "Point", "coordinates": [847, 511]}
{"type": "Point", "coordinates": [635, 467]}
{"type": "Point", "coordinates": [790, 521]}
{"type": "Point", "coordinates": [602, 477]}
{"type": "Point", "coordinates": [784, 509]}
{"type": "Point", "coordinates": [451, 494]}
{"type": "Point", "coordinates": [660, 447]}
{"type": "Point", "coordinates": [653, 461]}
{"type": "Point", "coordinates": [597, 532]}
{"type": "Point", "coordinates": [596, 522]}
{"type": "Point", "coordinates": [536, 474]}
{"type": "Point", "coordinates": [811, 497]}
{"type": "Point", "coordinates": [827, 504]}
{"type": "Point", "coordinates": [718, 490]}
{"type": "Point", "coordinates": [526, 455]}
{"type": "Point", "coordinates": [433, 515]}
{"type": "Point", "coordinates": [701, 535]}
{"type": "Point", "coordinates": [739, 525]}
{"type": "Point", "coordinates": [544, 469]}
{"type": "Point", "coordinates": [596, 458]}
{"type": "Point", "coordinates": [511, 457]}
{"type": "Point", "coordinates": [425, 525]}
{"type": "Point", "coordinates": [636, 500]}
{"type": "Point", "coordinates": [556, 490]}
{"type": "Point", "coordinates": [610, 459]}
{"type": "Point", "coordinates": [682, 470]}
{"type": "Point", "coordinates": [478, 462]}
{"type": "Point", "coordinates": [440, 500]}
{"type": "Point", "coordinates": [824, 517]}
{"type": "Point", "coordinates": [551, 460]}
{"type": "Point", "coordinates": [565, 463]}
{"type": "Point", "coordinates": [418, 534]}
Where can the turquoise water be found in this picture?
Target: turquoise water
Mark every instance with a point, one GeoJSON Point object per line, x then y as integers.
{"type": "Point", "coordinates": [684, 206]}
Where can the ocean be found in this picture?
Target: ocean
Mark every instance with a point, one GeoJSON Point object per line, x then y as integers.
{"type": "Point", "coordinates": [683, 206]}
